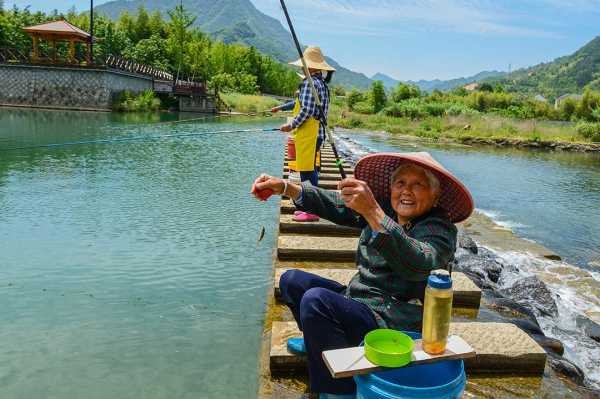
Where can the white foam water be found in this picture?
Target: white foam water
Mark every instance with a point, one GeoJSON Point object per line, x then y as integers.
{"type": "Point", "coordinates": [499, 219]}
{"type": "Point", "coordinates": [573, 292]}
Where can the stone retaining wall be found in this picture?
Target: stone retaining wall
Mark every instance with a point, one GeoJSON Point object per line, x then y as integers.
{"type": "Point", "coordinates": [64, 87]}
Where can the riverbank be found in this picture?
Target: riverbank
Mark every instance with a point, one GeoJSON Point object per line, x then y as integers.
{"type": "Point", "coordinates": [471, 129]}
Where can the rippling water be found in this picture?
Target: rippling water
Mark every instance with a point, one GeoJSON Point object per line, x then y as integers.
{"type": "Point", "coordinates": [132, 270]}
{"type": "Point", "coordinates": [552, 198]}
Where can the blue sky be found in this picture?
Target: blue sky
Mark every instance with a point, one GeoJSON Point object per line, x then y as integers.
{"type": "Point", "coordinates": [428, 39]}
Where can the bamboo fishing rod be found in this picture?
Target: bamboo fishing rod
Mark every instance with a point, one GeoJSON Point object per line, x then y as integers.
{"type": "Point", "coordinates": [338, 162]}
{"type": "Point", "coordinates": [139, 138]}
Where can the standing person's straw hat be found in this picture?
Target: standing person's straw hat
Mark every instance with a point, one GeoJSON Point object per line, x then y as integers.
{"type": "Point", "coordinates": [314, 60]}
{"type": "Point", "coordinates": [376, 170]}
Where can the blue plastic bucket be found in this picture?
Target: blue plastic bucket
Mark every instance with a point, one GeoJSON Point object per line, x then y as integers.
{"type": "Point", "coordinates": [440, 380]}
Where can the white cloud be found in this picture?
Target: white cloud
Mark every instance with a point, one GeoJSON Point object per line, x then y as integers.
{"type": "Point", "coordinates": [467, 16]}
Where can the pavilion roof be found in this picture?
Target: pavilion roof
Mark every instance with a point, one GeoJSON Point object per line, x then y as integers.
{"type": "Point", "coordinates": [60, 28]}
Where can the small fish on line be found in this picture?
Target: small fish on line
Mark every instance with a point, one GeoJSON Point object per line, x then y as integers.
{"type": "Point", "coordinates": [261, 234]}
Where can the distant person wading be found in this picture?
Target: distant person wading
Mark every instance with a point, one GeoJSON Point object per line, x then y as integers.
{"type": "Point", "coordinates": [307, 126]}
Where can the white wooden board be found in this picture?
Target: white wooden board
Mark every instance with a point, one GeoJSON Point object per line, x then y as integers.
{"type": "Point", "coordinates": [352, 361]}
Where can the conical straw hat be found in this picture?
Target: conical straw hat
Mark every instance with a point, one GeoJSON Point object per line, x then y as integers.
{"type": "Point", "coordinates": [314, 60]}
{"type": "Point", "coordinates": [376, 170]}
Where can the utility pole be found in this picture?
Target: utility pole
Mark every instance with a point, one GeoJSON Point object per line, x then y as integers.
{"type": "Point", "coordinates": [91, 31]}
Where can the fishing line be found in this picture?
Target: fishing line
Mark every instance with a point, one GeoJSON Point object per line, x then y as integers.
{"type": "Point", "coordinates": [140, 138]}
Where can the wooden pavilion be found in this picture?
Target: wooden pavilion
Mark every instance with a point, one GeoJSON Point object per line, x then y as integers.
{"type": "Point", "coordinates": [58, 31]}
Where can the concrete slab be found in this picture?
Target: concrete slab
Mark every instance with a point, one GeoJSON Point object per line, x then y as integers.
{"type": "Point", "coordinates": [303, 247]}
{"type": "Point", "coordinates": [501, 348]}
{"type": "Point", "coordinates": [466, 293]}
{"type": "Point", "coordinates": [322, 227]}
{"type": "Point", "coordinates": [322, 176]}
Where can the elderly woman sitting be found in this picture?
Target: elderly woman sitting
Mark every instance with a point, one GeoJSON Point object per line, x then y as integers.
{"type": "Point", "coordinates": [406, 205]}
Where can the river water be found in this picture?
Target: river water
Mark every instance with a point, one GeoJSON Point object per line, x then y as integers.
{"type": "Point", "coordinates": [132, 269]}
{"type": "Point", "coordinates": [550, 198]}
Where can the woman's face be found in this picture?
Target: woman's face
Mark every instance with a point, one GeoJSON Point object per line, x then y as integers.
{"type": "Point", "coordinates": [412, 195]}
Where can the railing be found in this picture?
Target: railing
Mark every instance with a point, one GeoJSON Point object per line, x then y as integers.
{"type": "Point", "coordinates": [124, 64]}
{"type": "Point", "coordinates": [12, 56]}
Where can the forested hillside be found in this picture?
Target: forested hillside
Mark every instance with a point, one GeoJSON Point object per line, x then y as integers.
{"type": "Point", "coordinates": [235, 21]}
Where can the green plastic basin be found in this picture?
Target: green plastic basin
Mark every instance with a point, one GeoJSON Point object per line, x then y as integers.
{"type": "Point", "coordinates": [388, 348]}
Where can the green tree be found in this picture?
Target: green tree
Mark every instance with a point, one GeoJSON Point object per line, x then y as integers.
{"type": "Point", "coordinates": [354, 97]}
{"type": "Point", "coordinates": [377, 95]}
{"type": "Point", "coordinates": [179, 25]}
{"type": "Point", "coordinates": [486, 87]}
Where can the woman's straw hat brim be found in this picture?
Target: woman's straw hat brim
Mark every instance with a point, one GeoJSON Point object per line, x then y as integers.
{"type": "Point", "coordinates": [376, 170]}
{"type": "Point", "coordinates": [314, 60]}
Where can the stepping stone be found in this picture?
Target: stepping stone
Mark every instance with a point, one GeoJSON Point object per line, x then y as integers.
{"type": "Point", "coordinates": [466, 293]}
{"type": "Point", "coordinates": [303, 247]}
{"type": "Point", "coordinates": [322, 227]}
{"type": "Point", "coordinates": [328, 170]}
{"type": "Point", "coordinates": [501, 348]}
{"type": "Point", "coordinates": [322, 176]}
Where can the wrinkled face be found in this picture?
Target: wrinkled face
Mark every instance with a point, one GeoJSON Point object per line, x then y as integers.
{"type": "Point", "coordinates": [412, 194]}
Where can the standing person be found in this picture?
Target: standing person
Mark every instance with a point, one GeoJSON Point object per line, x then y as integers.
{"type": "Point", "coordinates": [307, 126]}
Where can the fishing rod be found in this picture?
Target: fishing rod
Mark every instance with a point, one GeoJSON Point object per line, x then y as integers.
{"type": "Point", "coordinates": [338, 162]}
{"type": "Point", "coordinates": [139, 138]}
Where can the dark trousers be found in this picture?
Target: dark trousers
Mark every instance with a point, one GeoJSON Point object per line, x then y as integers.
{"type": "Point", "coordinates": [329, 320]}
{"type": "Point", "coordinates": [313, 176]}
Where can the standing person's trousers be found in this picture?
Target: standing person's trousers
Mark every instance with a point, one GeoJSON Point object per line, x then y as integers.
{"type": "Point", "coordinates": [313, 176]}
{"type": "Point", "coordinates": [329, 320]}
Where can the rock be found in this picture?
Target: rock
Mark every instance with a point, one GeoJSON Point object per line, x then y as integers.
{"type": "Point", "coordinates": [529, 326]}
{"type": "Point", "coordinates": [589, 327]}
{"type": "Point", "coordinates": [550, 344]}
{"type": "Point", "coordinates": [482, 268]}
{"type": "Point", "coordinates": [533, 293]}
{"type": "Point", "coordinates": [566, 368]}
{"type": "Point", "coordinates": [466, 242]}
{"type": "Point", "coordinates": [509, 306]}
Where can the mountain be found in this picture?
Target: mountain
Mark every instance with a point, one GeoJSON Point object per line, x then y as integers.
{"type": "Point", "coordinates": [569, 74]}
{"type": "Point", "coordinates": [388, 82]}
{"type": "Point", "coordinates": [437, 84]}
{"type": "Point", "coordinates": [236, 21]}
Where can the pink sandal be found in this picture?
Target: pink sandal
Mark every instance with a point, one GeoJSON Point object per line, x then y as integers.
{"type": "Point", "coordinates": [305, 217]}
{"type": "Point", "coordinates": [296, 213]}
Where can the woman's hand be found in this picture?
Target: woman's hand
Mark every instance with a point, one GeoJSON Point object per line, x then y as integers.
{"type": "Point", "coordinates": [286, 128]}
{"type": "Point", "coordinates": [265, 186]}
{"type": "Point", "coordinates": [357, 196]}
{"type": "Point", "coordinates": [275, 110]}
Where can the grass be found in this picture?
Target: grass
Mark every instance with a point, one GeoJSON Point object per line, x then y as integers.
{"type": "Point", "coordinates": [485, 126]}
{"type": "Point", "coordinates": [248, 103]}
{"type": "Point", "coordinates": [145, 101]}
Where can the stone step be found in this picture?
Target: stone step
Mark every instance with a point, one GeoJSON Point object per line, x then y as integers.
{"type": "Point", "coordinates": [502, 348]}
{"type": "Point", "coordinates": [322, 176]}
{"type": "Point", "coordinates": [304, 247]}
{"type": "Point", "coordinates": [322, 227]}
{"type": "Point", "coordinates": [466, 293]}
{"type": "Point", "coordinates": [328, 170]}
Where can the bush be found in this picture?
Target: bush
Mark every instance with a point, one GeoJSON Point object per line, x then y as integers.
{"type": "Point", "coordinates": [405, 92]}
{"type": "Point", "coordinates": [146, 101]}
{"type": "Point", "coordinates": [364, 107]}
{"type": "Point", "coordinates": [567, 109]}
{"type": "Point", "coordinates": [406, 109]}
{"type": "Point", "coordinates": [377, 96]}
{"type": "Point", "coordinates": [460, 109]}
{"type": "Point", "coordinates": [353, 98]}
{"type": "Point", "coordinates": [589, 130]}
